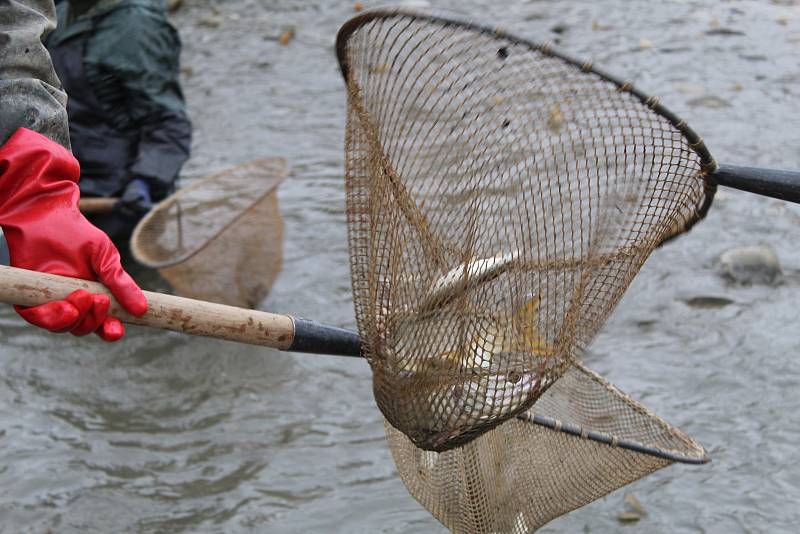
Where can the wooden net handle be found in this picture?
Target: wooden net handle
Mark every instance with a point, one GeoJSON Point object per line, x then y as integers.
{"type": "Point", "coordinates": [97, 205]}
{"type": "Point", "coordinates": [189, 316]}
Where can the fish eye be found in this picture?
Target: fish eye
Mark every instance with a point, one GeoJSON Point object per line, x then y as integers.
{"type": "Point", "coordinates": [514, 377]}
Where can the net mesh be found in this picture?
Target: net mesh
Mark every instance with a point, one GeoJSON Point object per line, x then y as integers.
{"type": "Point", "coordinates": [500, 199]}
{"type": "Point", "coordinates": [519, 476]}
{"type": "Point", "coordinates": [220, 239]}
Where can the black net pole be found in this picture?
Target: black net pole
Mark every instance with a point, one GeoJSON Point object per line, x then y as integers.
{"type": "Point", "coordinates": [783, 185]}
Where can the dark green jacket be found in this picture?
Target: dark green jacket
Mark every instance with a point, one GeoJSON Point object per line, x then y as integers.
{"type": "Point", "coordinates": [119, 63]}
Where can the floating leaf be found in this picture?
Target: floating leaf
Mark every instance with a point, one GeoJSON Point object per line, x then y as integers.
{"type": "Point", "coordinates": [634, 503]}
{"type": "Point", "coordinates": [287, 35]}
{"type": "Point", "coordinates": [628, 517]}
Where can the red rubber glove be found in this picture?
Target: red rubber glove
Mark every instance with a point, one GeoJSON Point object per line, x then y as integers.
{"type": "Point", "coordinates": [46, 232]}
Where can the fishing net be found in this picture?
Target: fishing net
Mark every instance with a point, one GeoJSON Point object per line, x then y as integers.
{"type": "Point", "coordinates": [582, 439]}
{"type": "Point", "coordinates": [500, 199]}
{"type": "Point", "coordinates": [221, 238]}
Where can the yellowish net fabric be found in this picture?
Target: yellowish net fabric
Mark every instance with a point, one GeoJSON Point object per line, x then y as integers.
{"type": "Point", "coordinates": [221, 238]}
{"type": "Point", "coordinates": [520, 475]}
{"type": "Point", "coordinates": [500, 199]}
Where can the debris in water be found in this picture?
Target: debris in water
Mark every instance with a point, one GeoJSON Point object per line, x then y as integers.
{"type": "Point", "coordinates": [723, 31]}
{"type": "Point", "coordinates": [556, 119]}
{"type": "Point", "coordinates": [750, 265]}
{"type": "Point", "coordinates": [674, 49]}
{"type": "Point", "coordinates": [783, 20]}
{"type": "Point", "coordinates": [358, 6]}
{"type": "Point", "coordinates": [737, 87]}
{"type": "Point", "coordinates": [628, 517]}
{"type": "Point", "coordinates": [634, 503]}
{"type": "Point", "coordinates": [187, 71]}
{"type": "Point", "coordinates": [286, 35]}
{"type": "Point", "coordinates": [211, 21]}
{"type": "Point", "coordinates": [598, 26]}
{"type": "Point", "coordinates": [708, 302]}
{"type": "Point", "coordinates": [644, 44]}
{"type": "Point", "coordinates": [635, 513]}
{"type": "Point", "coordinates": [174, 5]}
{"type": "Point", "coordinates": [709, 101]}
{"type": "Point", "coordinates": [559, 28]}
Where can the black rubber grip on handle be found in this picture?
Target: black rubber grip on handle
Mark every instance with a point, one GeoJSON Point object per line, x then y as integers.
{"type": "Point", "coordinates": [318, 338]}
{"type": "Point", "coordinates": [783, 185]}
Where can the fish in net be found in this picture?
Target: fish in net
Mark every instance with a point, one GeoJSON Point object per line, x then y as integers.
{"type": "Point", "coordinates": [221, 238]}
{"type": "Point", "coordinates": [500, 199]}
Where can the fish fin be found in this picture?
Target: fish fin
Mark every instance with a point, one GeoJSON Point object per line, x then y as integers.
{"type": "Point", "coordinates": [526, 320]}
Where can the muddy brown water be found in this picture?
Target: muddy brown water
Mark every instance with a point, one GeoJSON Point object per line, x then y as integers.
{"type": "Point", "coordinates": [166, 433]}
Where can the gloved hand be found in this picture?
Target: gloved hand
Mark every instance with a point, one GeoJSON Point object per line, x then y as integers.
{"type": "Point", "coordinates": [135, 200]}
{"type": "Point", "coordinates": [46, 232]}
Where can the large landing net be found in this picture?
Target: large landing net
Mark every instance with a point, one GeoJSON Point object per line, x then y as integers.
{"type": "Point", "coordinates": [500, 199]}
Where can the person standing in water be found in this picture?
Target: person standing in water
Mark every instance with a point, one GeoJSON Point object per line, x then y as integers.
{"type": "Point", "coordinates": [119, 63]}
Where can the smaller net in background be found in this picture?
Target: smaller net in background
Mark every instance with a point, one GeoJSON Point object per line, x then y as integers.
{"type": "Point", "coordinates": [521, 475]}
{"type": "Point", "coordinates": [221, 238]}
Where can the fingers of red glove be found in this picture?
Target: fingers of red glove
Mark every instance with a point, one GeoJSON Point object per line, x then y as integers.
{"type": "Point", "coordinates": [108, 268]}
{"type": "Point", "coordinates": [93, 319]}
{"type": "Point", "coordinates": [58, 315]}
{"type": "Point", "coordinates": [111, 329]}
